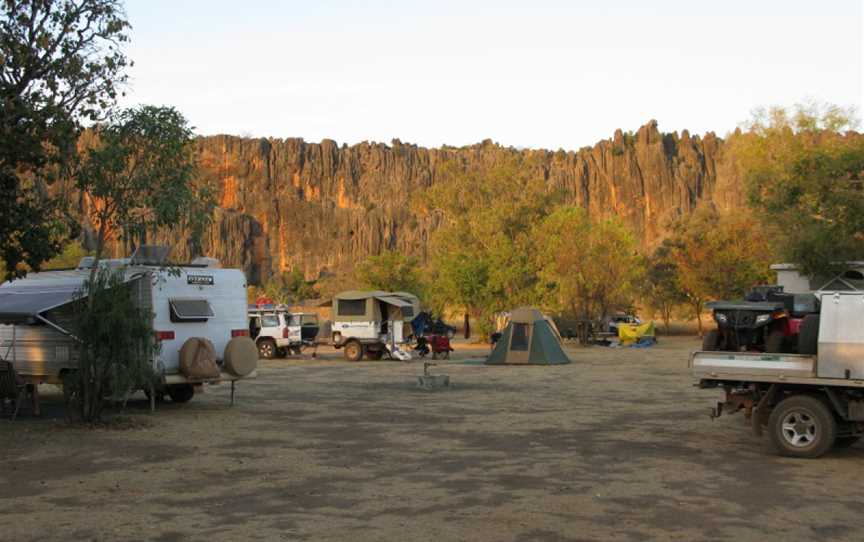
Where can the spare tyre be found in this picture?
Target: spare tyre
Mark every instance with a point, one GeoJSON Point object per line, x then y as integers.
{"type": "Point", "coordinates": [241, 356]}
{"type": "Point", "coordinates": [808, 335]}
{"type": "Point", "coordinates": [198, 359]}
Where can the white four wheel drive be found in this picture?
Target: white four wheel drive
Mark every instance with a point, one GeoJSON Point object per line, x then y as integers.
{"type": "Point", "coordinates": [278, 332]}
{"type": "Point", "coordinates": [807, 402]}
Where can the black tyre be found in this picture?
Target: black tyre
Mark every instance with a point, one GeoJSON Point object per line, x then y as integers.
{"type": "Point", "coordinates": [182, 393]}
{"type": "Point", "coordinates": [774, 341]}
{"type": "Point", "coordinates": [802, 426]}
{"type": "Point", "coordinates": [374, 355]}
{"type": "Point", "coordinates": [808, 335]}
{"type": "Point", "coordinates": [267, 348]}
{"type": "Point", "coordinates": [282, 352]}
{"type": "Point", "coordinates": [711, 340]}
{"type": "Point", "coordinates": [353, 351]}
{"type": "Point", "coordinates": [846, 442]}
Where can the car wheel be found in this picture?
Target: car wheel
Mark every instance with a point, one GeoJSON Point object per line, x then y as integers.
{"type": "Point", "coordinates": [182, 393]}
{"type": "Point", "coordinates": [267, 348]}
{"type": "Point", "coordinates": [802, 426]}
{"type": "Point", "coordinates": [353, 351]}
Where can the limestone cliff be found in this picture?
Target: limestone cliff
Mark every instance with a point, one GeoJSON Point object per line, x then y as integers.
{"type": "Point", "coordinates": [285, 204]}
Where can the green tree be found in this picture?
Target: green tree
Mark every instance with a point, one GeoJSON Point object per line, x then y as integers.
{"type": "Point", "coordinates": [136, 176]}
{"type": "Point", "coordinates": [391, 271]}
{"type": "Point", "coordinates": [804, 174]}
{"type": "Point", "coordinates": [718, 257]}
{"type": "Point", "coordinates": [589, 267]}
{"type": "Point", "coordinates": [60, 64]}
{"type": "Point", "coordinates": [486, 215]}
{"type": "Point", "coordinates": [663, 293]}
{"type": "Point", "coordinates": [117, 344]}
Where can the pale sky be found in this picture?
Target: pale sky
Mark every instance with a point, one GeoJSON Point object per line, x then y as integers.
{"type": "Point", "coordinates": [539, 73]}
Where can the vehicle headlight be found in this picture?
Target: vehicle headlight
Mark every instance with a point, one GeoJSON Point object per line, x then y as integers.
{"type": "Point", "coordinates": [720, 317]}
{"type": "Point", "coordinates": [762, 318]}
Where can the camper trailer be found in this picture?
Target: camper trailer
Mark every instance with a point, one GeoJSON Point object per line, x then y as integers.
{"type": "Point", "coordinates": [373, 323]}
{"type": "Point", "coordinates": [187, 301]}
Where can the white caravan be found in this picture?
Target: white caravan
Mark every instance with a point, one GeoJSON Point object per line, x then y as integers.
{"type": "Point", "coordinates": [187, 301]}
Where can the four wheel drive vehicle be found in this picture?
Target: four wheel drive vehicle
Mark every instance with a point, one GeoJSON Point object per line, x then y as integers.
{"type": "Point", "coordinates": [189, 303]}
{"type": "Point", "coordinates": [373, 323]}
{"type": "Point", "coordinates": [808, 402]}
{"type": "Point", "coordinates": [767, 320]}
{"type": "Point", "coordinates": [613, 321]}
{"type": "Point", "coordinates": [278, 332]}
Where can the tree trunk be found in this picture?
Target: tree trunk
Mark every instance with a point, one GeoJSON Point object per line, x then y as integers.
{"type": "Point", "coordinates": [467, 324]}
{"type": "Point", "coordinates": [698, 308]}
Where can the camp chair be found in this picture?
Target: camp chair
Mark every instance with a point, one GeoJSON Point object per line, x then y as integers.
{"type": "Point", "coordinates": [11, 387]}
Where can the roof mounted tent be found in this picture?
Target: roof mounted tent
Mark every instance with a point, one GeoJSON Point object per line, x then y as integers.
{"type": "Point", "coordinates": [530, 338]}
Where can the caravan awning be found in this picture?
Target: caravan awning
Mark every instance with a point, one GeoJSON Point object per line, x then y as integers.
{"type": "Point", "coordinates": [392, 300]}
{"type": "Point", "coordinates": [20, 305]}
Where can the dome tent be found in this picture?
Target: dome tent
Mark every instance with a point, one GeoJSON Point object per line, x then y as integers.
{"type": "Point", "coordinates": [530, 338]}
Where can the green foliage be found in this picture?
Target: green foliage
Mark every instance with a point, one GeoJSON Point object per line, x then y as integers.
{"type": "Point", "coordinates": [117, 344]}
{"type": "Point", "coordinates": [717, 257]}
{"type": "Point", "coordinates": [69, 258]}
{"type": "Point", "coordinates": [289, 288]}
{"type": "Point", "coordinates": [390, 271]}
{"type": "Point", "coordinates": [588, 268]}
{"type": "Point", "coordinates": [487, 214]}
{"type": "Point", "coordinates": [137, 176]}
{"type": "Point", "coordinates": [662, 292]}
{"type": "Point", "coordinates": [803, 176]}
{"type": "Point", "coordinates": [61, 64]}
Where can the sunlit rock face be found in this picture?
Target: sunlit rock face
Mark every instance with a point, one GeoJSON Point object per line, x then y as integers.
{"type": "Point", "coordinates": [285, 204]}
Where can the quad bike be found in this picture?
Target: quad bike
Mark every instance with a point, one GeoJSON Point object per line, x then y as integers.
{"type": "Point", "coordinates": [767, 320]}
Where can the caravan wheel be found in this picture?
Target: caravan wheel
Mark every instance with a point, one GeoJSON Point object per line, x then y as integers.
{"type": "Point", "coordinates": [353, 351]}
{"type": "Point", "coordinates": [182, 393]}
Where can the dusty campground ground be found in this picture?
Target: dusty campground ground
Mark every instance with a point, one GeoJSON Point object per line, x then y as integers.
{"type": "Point", "coordinates": [616, 446]}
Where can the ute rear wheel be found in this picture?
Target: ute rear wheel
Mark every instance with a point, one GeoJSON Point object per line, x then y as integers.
{"type": "Point", "coordinates": [353, 351]}
{"type": "Point", "coordinates": [802, 426]}
{"type": "Point", "coordinates": [711, 340]}
{"type": "Point", "coordinates": [267, 348]}
{"type": "Point", "coordinates": [182, 393]}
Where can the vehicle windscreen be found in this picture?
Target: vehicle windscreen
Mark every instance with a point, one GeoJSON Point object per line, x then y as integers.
{"type": "Point", "coordinates": [270, 320]}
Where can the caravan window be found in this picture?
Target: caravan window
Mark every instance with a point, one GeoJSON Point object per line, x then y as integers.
{"type": "Point", "coordinates": [190, 310]}
{"type": "Point", "coordinates": [351, 307]}
{"type": "Point", "coordinates": [519, 341]}
{"type": "Point", "coordinates": [408, 312]}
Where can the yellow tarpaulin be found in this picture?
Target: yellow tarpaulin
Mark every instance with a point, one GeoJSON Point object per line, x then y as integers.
{"type": "Point", "coordinates": [630, 333]}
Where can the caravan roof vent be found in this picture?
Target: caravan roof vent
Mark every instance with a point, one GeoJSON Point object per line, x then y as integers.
{"type": "Point", "coordinates": [150, 255]}
{"type": "Point", "coordinates": [207, 262]}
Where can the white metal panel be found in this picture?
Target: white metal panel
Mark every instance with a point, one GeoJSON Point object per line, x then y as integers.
{"type": "Point", "coordinates": [841, 336]}
{"type": "Point", "coordinates": [225, 289]}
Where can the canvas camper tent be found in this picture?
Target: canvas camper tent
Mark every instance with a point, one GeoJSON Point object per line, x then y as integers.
{"type": "Point", "coordinates": [372, 323]}
{"type": "Point", "coordinates": [530, 338]}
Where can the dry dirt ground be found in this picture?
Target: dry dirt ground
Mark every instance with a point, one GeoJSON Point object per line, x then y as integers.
{"type": "Point", "coordinates": [615, 446]}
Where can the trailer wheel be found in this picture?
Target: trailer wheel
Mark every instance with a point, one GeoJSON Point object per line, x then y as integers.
{"type": "Point", "coordinates": [353, 351]}
{"type": "Point", "coordinates": [774, 341]}
{"type": "Point", "coordinates": [802, 426]}
{"type": "Point", "coordinates": [182, 393]}
{"type": "Point", "coordinates": [710, 341]}
{"type": "Point", "coordinates": [266, 348]}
